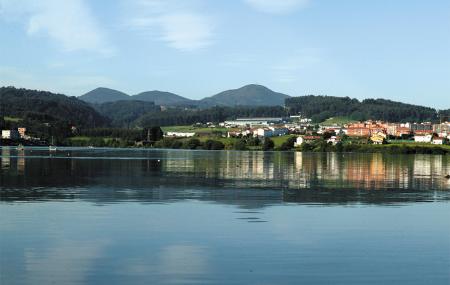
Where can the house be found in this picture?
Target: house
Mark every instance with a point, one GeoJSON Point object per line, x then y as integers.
{"type": "Point", "coordinates": [305, 139]}
{"type": "Point", "coordinates": [240, 133]}
{"type": "Point", "coordinates": [263, 132]}
{"type": "Point", "coordinates": [179, 134]}
{"type": "Point", "coordinates": [358, 131]}
{"type": "Point", "coordinates": [438, 140]}
{"type": "Point", "coordinates": [423, 132]}
{"type": "Point", "coordinates": [10, 134]}
{"type": "Point", "coordinates": [423, 138]}
{"type": "Point", "coordinates": [22, 132]}
{"type": "Point", "coordinates": [279, 131]}
{"type": "Point", "coordinates": [378, 137]}
{"type": "Point", "coordinates": [333, 140]}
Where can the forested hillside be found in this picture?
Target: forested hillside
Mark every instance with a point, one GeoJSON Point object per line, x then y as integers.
{"type": "Point", "coordinates": [102, 95]}
{"type": "Point", "coordinates": [125, 113]}
{"type": "Point", "coordinates": [46, 112]}
{"type": "Point", "coordinates": [248, 95]}
{"type": "Point", "coordinates": [215, 114]}
{"type": "Point", "coordinates": [320, 108]}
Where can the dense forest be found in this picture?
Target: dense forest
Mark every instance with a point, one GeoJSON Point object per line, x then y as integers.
{"type": "Point", "coordinates": [178, 116]}
{"type": "Point", "coordinates": [320, 108]}
{"type": "Point", "coordinates": [46, 113]}
{"type": "Point", "coordinates": [126, 113]}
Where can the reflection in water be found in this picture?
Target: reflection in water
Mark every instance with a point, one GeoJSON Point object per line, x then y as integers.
{"type": "Point", "coordinates": [225, 217]}
{"type": "Point", "coordinates": [6, 159]}
{"type": "Point", "coordinates": [151, 175]}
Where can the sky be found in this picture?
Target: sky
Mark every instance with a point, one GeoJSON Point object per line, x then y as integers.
{"type": "Point", "coordinates": [398, 50]}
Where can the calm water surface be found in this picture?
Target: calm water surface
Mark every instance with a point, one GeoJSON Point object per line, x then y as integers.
{"type": "Point", "coordinates": [118, 216]}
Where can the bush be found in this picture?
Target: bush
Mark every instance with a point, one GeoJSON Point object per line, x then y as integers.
{"type": "Point", "coordinates": [213, 145]}
{"type": "Point", "coordinates": [240, 145]}
{"type": "Point", "coordinates": [288, 144]}
{"type": "Point", "coordinates": [268, 144]}
{"type": "Point", "coordinates": [192, 144]}
{"type": "Point", "coordinates": [253, 141]}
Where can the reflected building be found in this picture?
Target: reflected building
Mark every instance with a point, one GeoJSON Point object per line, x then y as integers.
{"type": "Point", "coordinates": [6, 159]}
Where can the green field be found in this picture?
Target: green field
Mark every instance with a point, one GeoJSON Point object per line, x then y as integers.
{"type": "Point", "coordinates": [278, 141]}
{"type": "Point", "coordinates": [12, 119]}
{"type": "Point", "coordinates": [414, 144]}
{"type": "Point", "coordinates": [337, 121]}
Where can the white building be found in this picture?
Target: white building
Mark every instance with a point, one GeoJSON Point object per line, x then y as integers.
{"type": "Point", "coordinates": [241, 133]}
{"type": "Point", "coordinates": [263, 132]}
{"type": "Point", "coordinates": [438, 140]}
{"type": "Point", "coordinates": [423, 138]}
{"type": "Point", "coordinates": [305, 139]}
{"type": "Point", "coordinates": [243, 122]}
{"type": "Point", "coordinates": [179, 134]}
{"type": "Point", "coordinates": [279, 131]}
{"type": "Point", "coordinates": [10, 134]}
{"type": "Point", "coordinates": [333, 140]}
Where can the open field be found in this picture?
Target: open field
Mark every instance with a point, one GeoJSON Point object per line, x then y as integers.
{"type": "Point", "coordinates": [337, 121]}
{"type": "Point", "coordinates": [12, 119]}
{"type": "Point", "coordinates": [278, 141]}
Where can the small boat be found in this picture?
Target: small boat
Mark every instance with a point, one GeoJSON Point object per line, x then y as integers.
{"type": "Point", "coordinates": [20, 147]}
{"type": "Point", "coordinates": [90, 146]}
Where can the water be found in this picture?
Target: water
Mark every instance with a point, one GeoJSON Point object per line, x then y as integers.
{"type": "Point", "coordinates": [117, 216]}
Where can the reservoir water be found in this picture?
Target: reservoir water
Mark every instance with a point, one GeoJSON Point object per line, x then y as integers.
{"type": "Point", "coordinates": [134, 216]}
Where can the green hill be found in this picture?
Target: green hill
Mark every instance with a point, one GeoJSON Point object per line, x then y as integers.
{"type": "Point", "coordinates": [162, 98]}
{"type": "Point", "coordinates": [102, 95]}
{"type": "Point", "coordinates": [25, 103]}
{"type": "Point", "coordinates": [249, 95]}
{"type": "Point", "coordinates": [320, 108]}
{"type": "Point", "coordinates": [125, 113]}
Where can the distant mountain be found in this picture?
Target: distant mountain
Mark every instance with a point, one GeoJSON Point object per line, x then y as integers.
{"type": "Point", "coordinates": [248, 95]}
{"type": "Point", "coordinates": [102, 95]}
{"type": "Point", "coordinates": [162, 98]}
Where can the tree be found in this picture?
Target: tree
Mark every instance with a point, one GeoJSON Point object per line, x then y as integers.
{"type": "Point", "coordinates": [152, 134]}
{"type": "Point", "coordinates": [213, 145]}
{"type": "Point", "coordinates": [268, 144]}
{"type": "Point", "coordinates": [288, 144]}
{"type": "Point", "coordinates": [253, 141]}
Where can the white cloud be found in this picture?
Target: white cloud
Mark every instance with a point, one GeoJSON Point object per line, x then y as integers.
{"type": "Point", "coordinates": [70, 23]}
{"type": "Point", "coordinates": [174, 24]}
{"type": "Point", "coordinates": [277, 6]}
{"type": "Point", "coordinates": [186, 31]}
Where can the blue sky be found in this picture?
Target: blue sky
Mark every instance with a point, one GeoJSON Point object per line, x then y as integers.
{"type": "Point", "coordinates": [398, 50]}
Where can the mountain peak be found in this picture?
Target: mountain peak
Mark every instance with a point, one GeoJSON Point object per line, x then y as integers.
{"type": "Point", "coordinates": [103, 94]}
{"type": "Point", "coordinates": [161, 98]}
{"type": "Point", "coordinates": [247, 95]}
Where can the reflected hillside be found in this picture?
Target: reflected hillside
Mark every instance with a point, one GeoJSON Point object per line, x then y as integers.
{"type": "Point", "coordinates": [164, 175]}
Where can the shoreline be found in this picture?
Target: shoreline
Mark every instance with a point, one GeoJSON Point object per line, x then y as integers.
{"type": "Point", "coordinates": [401, 148]}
